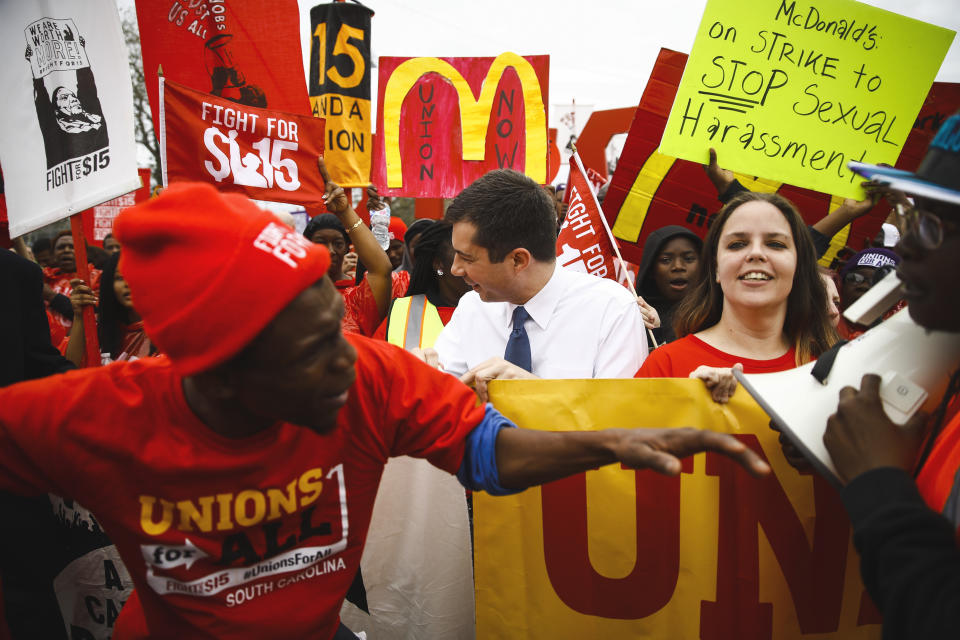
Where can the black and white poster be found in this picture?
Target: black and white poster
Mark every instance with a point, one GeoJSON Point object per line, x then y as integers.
{"type": "Point", "coordinates": [66, 121]}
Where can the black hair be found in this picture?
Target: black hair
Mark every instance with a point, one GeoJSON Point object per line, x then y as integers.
{"type": "Point", "coordinates": [509, 210]}
{"type": "Point", "coordinates": [325, 221]}
{"type": "Point", "coordinates": [111, 314]}
{"type": "Point", "coordinates": [43, 243]}
{"type": "Point", "coordinates": [415, 229]}
{"type": "Point", "coordinates": [434, 240]}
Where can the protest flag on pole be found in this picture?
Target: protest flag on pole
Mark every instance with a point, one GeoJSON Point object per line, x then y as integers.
{"type": "Point", "coordinates": [66, 121]}
{"type": "Point", "coordinates": [340, 31]}
{"type": "Point", "coordinates": [264, 154]}
{"type": "Point", "coordinates": [585, 242]}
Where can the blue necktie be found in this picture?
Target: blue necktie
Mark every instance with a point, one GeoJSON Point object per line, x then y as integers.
{"type": "Point", "coordinates": [518, 346]}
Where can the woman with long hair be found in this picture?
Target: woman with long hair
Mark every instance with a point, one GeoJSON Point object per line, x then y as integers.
{"type": "Point", "coordinates": [758, 302]}
{"type": "Point", "coordinates": [119, 327]}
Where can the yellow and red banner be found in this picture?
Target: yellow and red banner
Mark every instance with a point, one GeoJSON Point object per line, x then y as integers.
{"type": "Point", "coordinates": [340, 87]}
{"type": "Point", "coordinates": [266, 155]}
{"type": "Point", "coordinates": [650, 190]}
{"type": "Point", "coordinates": [444, 122]}
{"type": "Point", "coordinates": [711, 554]}
{"type": "Point", "coordinates": [245, 52]}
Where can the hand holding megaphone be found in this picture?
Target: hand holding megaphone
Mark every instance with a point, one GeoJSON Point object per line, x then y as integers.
{"type": "Point", "coordinates": [861, 437]}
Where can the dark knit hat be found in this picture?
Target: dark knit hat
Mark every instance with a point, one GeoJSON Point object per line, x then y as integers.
{"type": "Point", "coordinates": [193, 258]}
{"type": "Point", "coordinates": [874, 257]}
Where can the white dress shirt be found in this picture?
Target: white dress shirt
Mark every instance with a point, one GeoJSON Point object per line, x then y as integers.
{"type": "Point", "coordinates": [580, 326]}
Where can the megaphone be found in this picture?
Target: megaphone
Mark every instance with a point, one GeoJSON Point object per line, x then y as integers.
{"type": "Point", "coordinates": [914, 364]}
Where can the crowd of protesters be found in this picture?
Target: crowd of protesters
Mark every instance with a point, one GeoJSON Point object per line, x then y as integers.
{"type": "Point", "coordinates": [484, 300]}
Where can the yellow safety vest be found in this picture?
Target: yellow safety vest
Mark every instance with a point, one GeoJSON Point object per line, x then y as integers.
{"type": "Point", "coordinates": [413, 322]}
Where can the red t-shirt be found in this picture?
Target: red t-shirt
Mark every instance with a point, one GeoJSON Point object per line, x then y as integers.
{"type": "Point", "coordinates": [360, 308]}
{"type": "Point", "coordinates": [939, 477]}
{"type": "Point", "coordinates": [679, 358]}
{"type": "Point", "coordinates": [252, 538]}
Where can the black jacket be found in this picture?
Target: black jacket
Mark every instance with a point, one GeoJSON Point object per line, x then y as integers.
{"type": "Point", "coordinates": [25, 349]}
{"type": "Point", "coordinates": [647, 288]}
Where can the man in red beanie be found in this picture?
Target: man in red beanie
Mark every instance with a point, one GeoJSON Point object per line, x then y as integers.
{"type": "Point", "coordinates": [246, 460]}
{"type": "Point", "coordinates": [395, 232]}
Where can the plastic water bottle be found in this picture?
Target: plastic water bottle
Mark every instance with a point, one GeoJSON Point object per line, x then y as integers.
{"type": "Point", "coordinates": [380, 225]}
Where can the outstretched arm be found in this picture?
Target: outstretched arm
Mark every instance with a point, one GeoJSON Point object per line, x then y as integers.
{"type": "Point", "coordinates": [526, 457]}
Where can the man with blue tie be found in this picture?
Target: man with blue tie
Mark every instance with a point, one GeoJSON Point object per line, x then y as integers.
{"type": "Point", "coordinates": [527, 317]}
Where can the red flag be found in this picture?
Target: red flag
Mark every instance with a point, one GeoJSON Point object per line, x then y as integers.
{"type": "Point", "coordinates": [585, 243]}
{"type": "Point", "coordinates": [596, 179]}
{"type": "Point", "coordinates": [247, 52]}
{"type": "Point", "coordinates": [267, 155]}
{"type": "Point", "coordinates": [98, 220]}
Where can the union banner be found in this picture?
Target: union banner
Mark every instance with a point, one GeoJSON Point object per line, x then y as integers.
{"type": "Point", "coordinates": [444, 122]}
{"type": "Point", "coordinates": [710, 554]}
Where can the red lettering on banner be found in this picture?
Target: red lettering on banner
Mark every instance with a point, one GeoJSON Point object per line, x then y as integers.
{"type": "Point", "coordinates": [653, 579]}
{"type": "Point", "coordinates": [815, 576]}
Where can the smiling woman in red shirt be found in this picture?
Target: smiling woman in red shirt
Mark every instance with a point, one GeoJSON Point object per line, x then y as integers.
{"type": "Point", "coordinates": [758, 300]}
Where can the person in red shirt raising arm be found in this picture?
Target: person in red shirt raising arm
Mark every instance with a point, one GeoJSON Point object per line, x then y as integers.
{"type": "Point", "coordinates": [236, 474]}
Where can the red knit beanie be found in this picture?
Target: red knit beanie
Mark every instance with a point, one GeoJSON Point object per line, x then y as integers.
{"type": "Point", "coordinates": [397, 229]}
{"type": "Point", "coordinates": [208, 271]}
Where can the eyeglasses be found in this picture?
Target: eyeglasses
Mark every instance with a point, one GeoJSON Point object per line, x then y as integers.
{"type": "Point", "coordinates": [855, 278]}
{"type": "Point", "coordinates": [927, 228]}
{"type": "Point", "coordinates": [879, 273]}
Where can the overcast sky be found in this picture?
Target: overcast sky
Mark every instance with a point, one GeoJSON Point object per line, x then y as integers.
{"type": "Point", "coordinates": [601, 51]}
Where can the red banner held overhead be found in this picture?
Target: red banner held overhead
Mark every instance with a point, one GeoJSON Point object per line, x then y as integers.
{"type": "Point", "coordinates": [246, 52]}
{"type": "Point", "coordinates": [267, 155]}
{"type": "Point", "coordinates": [585, 243]}
{"type": "Point", "coordinates": [650, 190]}
{"type": "Point", "coordinates": [98, 220]}
{"type": "Point", "coordinates": [444, 122]}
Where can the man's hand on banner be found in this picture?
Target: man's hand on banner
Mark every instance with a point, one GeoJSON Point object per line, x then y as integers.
{"type": "Point", "coordinates": [334, 196]}
{"type": "Point", "coordinates": [492, 369]}
{"type": "Point", "coordinates": [651, 319]}
{"type": "Point", "coordinates": [28, 53]}
{"type": "Point", "coordinates": [528, 457]}
{"type": "Point", "coordinates": [861, 437]}
{"type": "Point", "coordinates": [720, 177]}
{"type": "Point", "coordinates": [719, 380]}
{"type": "Point", "coordinates": [661, 449]}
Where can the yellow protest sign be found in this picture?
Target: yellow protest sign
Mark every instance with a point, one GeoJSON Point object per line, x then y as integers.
{"type": "Point", "coordinates": [793, 90]}
{"type": "Point", "coordinates": [339, 85]}
{"type": "Point", "coordinates": [712, 554]}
